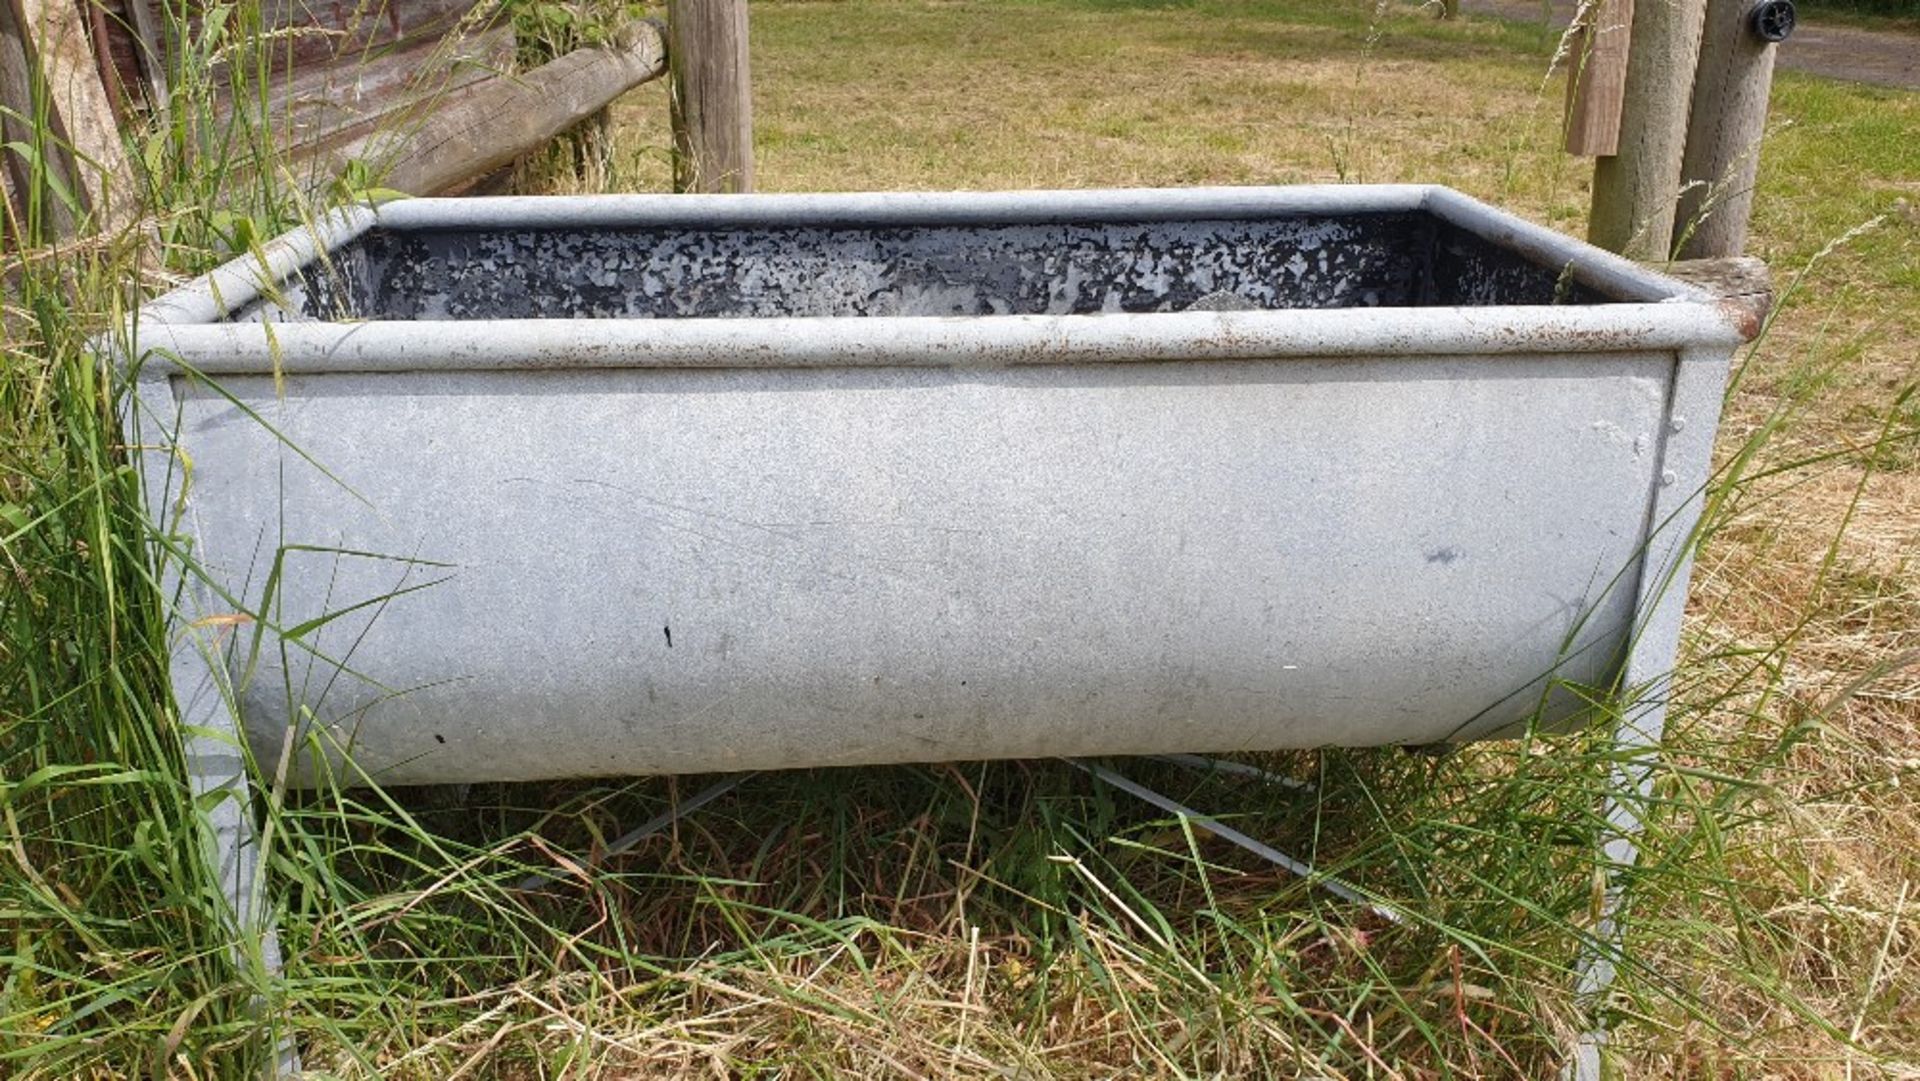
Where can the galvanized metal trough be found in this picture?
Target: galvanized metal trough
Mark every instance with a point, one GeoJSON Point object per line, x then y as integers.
{"type": "Point", "coordinates": [500, 489]}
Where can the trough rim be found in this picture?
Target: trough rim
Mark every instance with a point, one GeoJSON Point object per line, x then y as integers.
{"type": "Point", "coordinates": [185, 328]}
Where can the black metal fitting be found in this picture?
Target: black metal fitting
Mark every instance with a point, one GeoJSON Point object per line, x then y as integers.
{"type": "Point", "coordinates": [1772, 20]}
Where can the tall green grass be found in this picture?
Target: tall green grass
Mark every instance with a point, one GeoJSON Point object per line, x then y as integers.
{"type": "Point", "coordinates": [965, 918]}
{"type": "Point", "coordinates": [116, 959]}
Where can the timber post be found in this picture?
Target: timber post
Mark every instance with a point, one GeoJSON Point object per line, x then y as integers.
{"type": "Point", "coordinates": [711, 95]}
{"type": "Point", "coordinates": [1597, 79]}
{"type": "Point", "coordinates": [1636, 190]}
{"type": "Point", "coordinates": [1726, 123]}
{"type": "Point", "coordinates": [49, 83]}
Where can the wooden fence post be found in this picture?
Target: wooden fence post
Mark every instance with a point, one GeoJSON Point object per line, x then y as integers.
{"type": "Point", "coordinates": [16, 124]}
{"type": "Point", "coordinates": [1635, 190]}
{"type": "Point", "coordinates": [148, 36]}
{"type": "Point", "coordinates": [1597, 79]}
{"type": "Point", "coordinates": [52, 83]}
{"type": "Point", "coordinates": [711, 95]}
{"type": "Point", "coordinates": [1724, 129]}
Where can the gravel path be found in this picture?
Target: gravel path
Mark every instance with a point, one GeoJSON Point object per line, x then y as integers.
{"type": "Point", "coordinates": [1837, 52]}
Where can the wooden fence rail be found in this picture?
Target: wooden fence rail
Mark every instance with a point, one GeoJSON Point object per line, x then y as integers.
{"type": "Point", "coordinates": [420, 91]}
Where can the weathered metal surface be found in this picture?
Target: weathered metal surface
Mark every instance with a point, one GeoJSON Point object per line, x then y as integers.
{"type": "Point", "coordinates": [1366, 261]}
{"type": "Point", "coordinates": [741, 534]}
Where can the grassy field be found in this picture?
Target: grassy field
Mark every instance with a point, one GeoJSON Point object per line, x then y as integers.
{"type": "Point", "coordinates": [1016, 919]}
{"type": "Point", "coordinates": [1901, 15]}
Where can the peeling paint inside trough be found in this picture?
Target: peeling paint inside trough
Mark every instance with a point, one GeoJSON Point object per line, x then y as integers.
{"type": "Point", "coordinates": [615, 485]}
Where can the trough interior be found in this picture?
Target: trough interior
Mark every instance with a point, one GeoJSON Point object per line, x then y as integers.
{"type": "Point", "coordinates": [1396, 259]}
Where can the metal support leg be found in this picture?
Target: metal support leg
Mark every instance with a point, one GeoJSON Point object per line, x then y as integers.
{"type": "Point", "coordinates": [651, 826]}
{"type": "Point", "coordinates": [217, 777]}
{"type": "Point", "coordinates": [1630, 786]}
{"type": "Point", "coordinates": [1686, 450]}
{"type": "Point", "coordinates": [1227, 833]}
{"type": "Point", "coordinates": [217, 773]}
